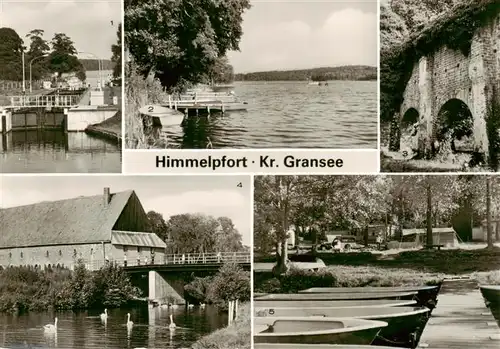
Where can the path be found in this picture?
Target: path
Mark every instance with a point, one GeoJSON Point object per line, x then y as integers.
{"type": "Point", "coordinates": [461, 319]}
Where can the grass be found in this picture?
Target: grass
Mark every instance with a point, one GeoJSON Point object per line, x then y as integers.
{"type": "Point", "coordinates": [139, 92]}
{"type": "Point", "coordinates": [235, 336]}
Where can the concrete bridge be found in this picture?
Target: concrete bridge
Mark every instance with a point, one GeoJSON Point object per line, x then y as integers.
{"type": "Point", "coordinates": [450, 89]}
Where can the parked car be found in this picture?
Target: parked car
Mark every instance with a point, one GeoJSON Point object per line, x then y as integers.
{"type": "Point", "coordinates": [346, 243]}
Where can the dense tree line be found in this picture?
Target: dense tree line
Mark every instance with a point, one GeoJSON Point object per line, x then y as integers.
{"type": "Point", "coordinates": [59, 55]}
{"type": "Point", "coordinates": [185, 43]}
{"type": "Point", "coordinates": [196, 233]}
{"type": "Point", "coordinates": [326, 203]}
{"type": "Point", "coordinates": [354, 72]}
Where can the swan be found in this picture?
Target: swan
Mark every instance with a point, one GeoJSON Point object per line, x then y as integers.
{"type": "Point", "coordinates": [190, 305]}
{"type": "Point", "coordinates": [172, 324]}
{"type": "Point", "coordinates": [104, 316]}
{"type": "Point", "coordinates": [164, 306]}
{"type": "Point", "coordinates": [202, 305]}
{"type": "Point", "coordinates": [50, 327]}
{"type": "Point", "coordinates": [129, 323]}
{"type": "Point", "coordinates": [174, 306]}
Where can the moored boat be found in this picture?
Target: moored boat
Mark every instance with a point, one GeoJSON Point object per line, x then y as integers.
{"type": "Point", "coordinates": [426, 295]}
{"type": "Point", "coordinates": [312, 330]}
{"type": "Point", "coordinates": [491, 295]}
{"type": "Point", "coordinates": [333, 303]}
{"type": "Point", "coordinates": [317, 346]}
{"type": "Point", "coordinates": [405, 324]}
{"type": "Point", "coordinates": [337, 296]}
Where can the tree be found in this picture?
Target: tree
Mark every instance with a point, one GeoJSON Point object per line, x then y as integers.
{"type": "Point", "coordinates": [221, 71]}
{"type": "Point", "coordinates": [158, 225]}
{"type": "Point", "coordinates": [63, 57]}
{"type": "Point", "coordinates": [38, 48]}
{"type": "Point", "coordinates": [488, 212]}
{"type": "Point", "coordinates": [11, 47]}
{"type": "Point", "coordinates": [228, 238]}
{"type": "Point", "coordinates": [116, 49]}
{"type": "Point", "coordinates": [185, 41]}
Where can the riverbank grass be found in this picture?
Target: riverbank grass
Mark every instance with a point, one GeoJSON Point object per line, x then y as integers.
{"type": "Point", "coordinates": [235, 336]}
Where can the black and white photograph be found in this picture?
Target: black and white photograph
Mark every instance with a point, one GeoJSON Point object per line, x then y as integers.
{"type": "Point", "coordinates": [251, 74]}
{"type": "Point", "coordinates": [381, 261]}
{"type": "Point", "coordinates": [60, 86]}
{"type": "Point", "coordinates": [440, 85]}
{"type": "Point", "coordinates": [125, 262]}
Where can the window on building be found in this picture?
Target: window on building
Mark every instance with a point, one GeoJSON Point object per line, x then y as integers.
{"type": "Point", "coordinates": [60, 253]}
{"type": "Point", "coordinates": [21, 255]}
{"type": "Point", "coordinates": [74, 252]}
{"type": "Point", "coordinates": [47, 254]}
{"type": "Point", "coordinates": [10, 254]}
{"type": "Point", "coordinates": [91, 251]}
{"type": "Point", "coordinates": [139, 249]}
{"type": "Point", "coordinates": [125, 248]}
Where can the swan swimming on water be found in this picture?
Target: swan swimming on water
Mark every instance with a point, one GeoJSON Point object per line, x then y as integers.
{"type": "Point", "coordinates": [104, 316]}
{"type": "Point", "coordinates": [202, 305]}
{"type": "Point", "coordinates": [190, 305]}
{"type": "Point", "coordinates": [129, 323]}
{"type": "Point", "coordinates": [52, 328]}
{"type": "Point", "coordinates": [172, 325]}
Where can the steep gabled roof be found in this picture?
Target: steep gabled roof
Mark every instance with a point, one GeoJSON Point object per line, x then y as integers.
{"type": "Point", "coordinates": [71, 221]}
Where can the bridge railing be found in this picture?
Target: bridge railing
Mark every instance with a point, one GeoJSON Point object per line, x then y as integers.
{"type": "Point", "coordinates": [45, 101]}
{"type": "Point", "coordinates": [148, 259]}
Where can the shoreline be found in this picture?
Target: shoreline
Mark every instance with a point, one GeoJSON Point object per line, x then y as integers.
{"type": "Point", "coordinates": [110, 129]}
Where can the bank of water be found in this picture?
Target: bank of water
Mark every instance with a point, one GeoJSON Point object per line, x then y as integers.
{"type": "Point", "coordinates": [289, 115]}
{"type": "Point", "coordinates": [84, 330]}
{"type": "Point", "coordinates": [53, 151]}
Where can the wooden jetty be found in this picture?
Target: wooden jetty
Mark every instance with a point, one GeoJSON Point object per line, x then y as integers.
{"type": "Point", "coordinates": [206, 103]}
{"type": "Point", "coordinates": [461, 319]}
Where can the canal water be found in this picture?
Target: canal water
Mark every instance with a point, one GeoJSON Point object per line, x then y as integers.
{"type": "Point", "coordinates": [290, 115]}
{"type": "Point", "coordinates": [86, 331]}
{"type": "Point", "coordinates": [53, 151]}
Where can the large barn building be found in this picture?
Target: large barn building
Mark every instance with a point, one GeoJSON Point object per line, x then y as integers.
{"type": "Point", "coordinates": [111, 227]}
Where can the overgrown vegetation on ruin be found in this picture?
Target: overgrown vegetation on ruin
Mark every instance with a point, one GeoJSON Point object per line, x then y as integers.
{"type": "Point", "coordinates": [25, 289]}
{"type": "Point", "coordinates": [455, 29]}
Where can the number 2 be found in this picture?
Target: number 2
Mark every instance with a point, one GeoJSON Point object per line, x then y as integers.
{"type": "Point", "coordinates": [240, 185]}
{"type": "Point", "coordinates": [150, 109]}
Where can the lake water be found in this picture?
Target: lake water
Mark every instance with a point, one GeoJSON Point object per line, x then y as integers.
{"type": "Point", "coordinates": [85, 330]}
{"type": "Point", "coordinates": [52, 151]}
{"type": "Point", "coordinates": [289, 115]}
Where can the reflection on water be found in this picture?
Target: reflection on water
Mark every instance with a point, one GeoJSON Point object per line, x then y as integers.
{"type": "Point", "coordinates": [44, 150]}
{"type": "Point", "coordinates": [289, 114]}
{"type": "Point", "coordinates": [85, 330]}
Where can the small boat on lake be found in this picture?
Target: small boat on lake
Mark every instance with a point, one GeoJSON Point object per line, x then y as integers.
{"type": "Point", "coordinates": [317, 346]}
{"type": "Point", "coordinates": [337, 296]}
{"type": "Point", "coordinates": [333, 303]}
{"type": "Point", "coordinates": [310, 330]}
{"type": "Point", "coordinates": [405, 324]}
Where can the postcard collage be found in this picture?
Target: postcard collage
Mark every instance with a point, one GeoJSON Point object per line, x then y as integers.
{"type": "Point", "coordinates": [238, 174]}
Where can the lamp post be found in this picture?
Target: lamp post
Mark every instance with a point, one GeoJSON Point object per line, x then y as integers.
{"type": "Point", "coordinates": [31, 62]}
{"type": "Point", "coordinates": [24, 72]}
{"type": "Point", "coordinates": [100, 66]}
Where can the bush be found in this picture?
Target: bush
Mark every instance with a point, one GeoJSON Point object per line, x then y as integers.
{"type": "Point", "coordinates": [198, 288]}
{"type": "Point", "coordinates": [230, 283]}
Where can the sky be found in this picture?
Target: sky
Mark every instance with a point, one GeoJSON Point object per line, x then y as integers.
{"type": "Point", "coordinates": [86, 22]}
{"type": "Point", "coordinates": [169, 195]}
{"type": "Point", "coordinates": [292, 34]}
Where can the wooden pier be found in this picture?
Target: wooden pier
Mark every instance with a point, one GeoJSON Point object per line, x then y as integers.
{"type": "Point", "coordinates": [206, 103]}
{"type": "Point", "coordinates": [461, 319]}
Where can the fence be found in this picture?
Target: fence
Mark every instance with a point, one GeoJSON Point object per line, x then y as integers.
{"type": "Point", "coordinates": [45, 101]}
{"type": "Point", "coordinates": [18, 85]}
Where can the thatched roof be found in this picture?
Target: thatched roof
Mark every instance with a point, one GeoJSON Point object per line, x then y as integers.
{"type": "Point", "coordinates": [72, 221]}
{"type": "Point", "coordinates": [136, 239]}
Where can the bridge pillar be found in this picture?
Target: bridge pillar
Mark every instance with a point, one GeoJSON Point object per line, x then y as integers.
{"type": "Point", "coordinates": [425, 105]}
{"type": "Point", "coordinates": [479, 100]}
{"type": "Point", "coordinates": [163, 290]}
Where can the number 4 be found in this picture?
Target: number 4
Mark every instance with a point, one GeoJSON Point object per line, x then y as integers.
{"type": "Point", "coordinates": [240, 185]}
